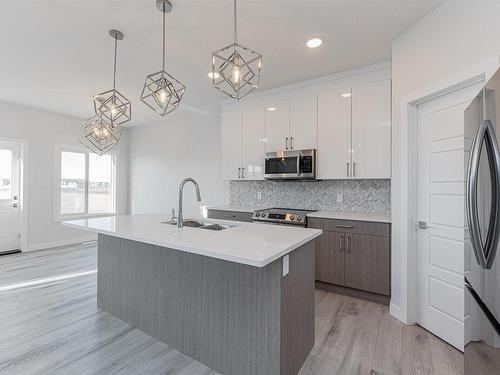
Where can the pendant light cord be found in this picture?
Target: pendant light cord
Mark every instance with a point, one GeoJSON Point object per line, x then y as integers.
{"type": "Point", "coordinates": [163, 41]}
{"type": "Point", "coordinates": [114, 69]}
{"type": "Point", "coordinates": [235, 25]}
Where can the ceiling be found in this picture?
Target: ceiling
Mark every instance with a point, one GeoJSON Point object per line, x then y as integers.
{"type": "Point", "coordinates": [56, 54]}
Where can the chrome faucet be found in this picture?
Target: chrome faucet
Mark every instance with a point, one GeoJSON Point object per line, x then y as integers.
{"type": "Point", "coordinates": [180, 218]}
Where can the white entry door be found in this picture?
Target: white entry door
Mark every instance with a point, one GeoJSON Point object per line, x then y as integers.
{"type": "Point", "coordinates": [441, 202]}
{"type": "Point", "coordinates": [10, 220]}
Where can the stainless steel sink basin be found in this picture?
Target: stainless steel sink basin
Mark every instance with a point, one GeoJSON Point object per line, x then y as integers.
{"type": "Point", "coordinates": [187, 223]}
{"type": "Point", "coordinates": [201, 225]}
{"type": "Point", "coordinates": [215, 227]}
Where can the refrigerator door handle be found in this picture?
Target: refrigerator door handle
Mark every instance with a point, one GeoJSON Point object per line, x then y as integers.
{"type": "Point", "coordinates": [484, 251]}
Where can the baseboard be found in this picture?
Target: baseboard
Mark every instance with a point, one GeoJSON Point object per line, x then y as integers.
{"type": "Point", "coordinates": [51, 245]}
{"type": "Point", "coordinates": [396, 312]}
{"type": "Point", "coordinates": [373, 297]}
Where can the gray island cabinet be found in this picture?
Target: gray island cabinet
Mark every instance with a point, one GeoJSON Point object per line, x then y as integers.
{"type": "Point", "coordinates": [236, 318]}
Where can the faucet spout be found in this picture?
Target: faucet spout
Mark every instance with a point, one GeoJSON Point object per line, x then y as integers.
{"type": "Point", "coordinates": [180, 217]}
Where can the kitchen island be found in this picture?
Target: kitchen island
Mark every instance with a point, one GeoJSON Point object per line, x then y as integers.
{"type": "Point", "coordinates": [240, 300]}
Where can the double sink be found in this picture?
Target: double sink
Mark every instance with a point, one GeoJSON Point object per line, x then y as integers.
{"type": "Point", "coordinates": [201, 225]}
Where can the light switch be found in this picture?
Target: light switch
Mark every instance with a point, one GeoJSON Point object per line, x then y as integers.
{"type": "Point", "coordinates": [286, 265]}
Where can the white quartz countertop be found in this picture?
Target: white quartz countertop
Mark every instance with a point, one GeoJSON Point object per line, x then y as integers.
{"type": "Point", "coordinates": [358, 216]}
{"type": "Point", "coordinates": [245, 243]}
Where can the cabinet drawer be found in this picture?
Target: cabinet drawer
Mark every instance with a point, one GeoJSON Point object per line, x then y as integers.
{"type": "Point", "coordinates": [230, 215]}
{"type": "Point", "coordinates": [351, 226]}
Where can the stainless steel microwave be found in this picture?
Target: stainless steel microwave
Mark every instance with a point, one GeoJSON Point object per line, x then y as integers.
{"type": "Point", "coordinates": [290, 165]}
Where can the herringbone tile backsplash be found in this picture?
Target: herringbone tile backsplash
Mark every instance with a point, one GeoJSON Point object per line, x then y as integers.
{"type": "Point", "coordinates": [357, 195]}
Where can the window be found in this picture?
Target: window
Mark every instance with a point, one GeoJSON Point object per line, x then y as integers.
{"type": "Point", "coordinates": [86, 183]}
{"type": "Point", "coordinates": [5, 174]}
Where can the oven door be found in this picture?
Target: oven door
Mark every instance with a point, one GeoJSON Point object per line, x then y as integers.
{"type": "Point", "coordinates": [291, 165]}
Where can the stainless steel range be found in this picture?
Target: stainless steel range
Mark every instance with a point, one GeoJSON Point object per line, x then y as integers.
{"type": "Point", "coordinates": [282, 216]}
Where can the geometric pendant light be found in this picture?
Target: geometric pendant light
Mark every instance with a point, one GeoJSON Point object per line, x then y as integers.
{"type": "Point", "coordinates": [162, 92]}
{"type": "Point", "coordinates": [111, 106]}
{"type": "Point", "coordinates": [235, 68]}
{"type": "Point", "coordinates": [98, 136]}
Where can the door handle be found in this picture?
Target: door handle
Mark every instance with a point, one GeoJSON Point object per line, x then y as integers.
{"type": "Point", "coordinates": [239, 172]}
{"type": "Point", "coordinates": [422, 225]}
{"type": "Point", "coordinates": [341, 240]}
{"type": "Point", "coordinates": [286, 143]}
{"type": "Point", "coordinates": [347, 237]}
{"type": "Point", "coordinates": [354, 169]}
{"type": "Point", "coordinates": [484, 251]}
{"type": "Point", "coordinates": [291, 143]}
{"type": "Point", "coordinates": [243, 172]}
{"type": "Point", "coordinates": [347, 169]}
{"type": "Point", "coordinates": [344, 226]}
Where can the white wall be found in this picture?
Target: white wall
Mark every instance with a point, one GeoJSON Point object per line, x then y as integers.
{"type": "Point", "coordinates": [456, 40]}
{"type": "Point", "coordinates": [184, 144]}
{"type": "Point", "coordinates": [43, 130]}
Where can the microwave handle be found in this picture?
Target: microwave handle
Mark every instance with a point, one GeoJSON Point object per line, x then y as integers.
{"type": "Point", "coordinates": [299, 172]}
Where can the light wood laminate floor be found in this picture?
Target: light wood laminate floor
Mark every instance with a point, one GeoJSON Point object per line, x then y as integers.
{"type": "Point", "coordinates": [50, 325]}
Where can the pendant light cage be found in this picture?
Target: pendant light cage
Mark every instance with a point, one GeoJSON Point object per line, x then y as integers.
{"type": "Point", "coordinates": [112, 106]}
{"type": "Point", "coordinates": [236, 69]}
{"type": "Point", "coordinates": [162, 92]}
{"type": "Point", "coordinates": [98, 136]}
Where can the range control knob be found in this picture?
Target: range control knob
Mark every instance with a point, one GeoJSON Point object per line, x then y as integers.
{"type": "Point", "coordinates": [257, 214]}
{"type": "Point", "coordinates": [299, 218]}
{"type": "Point", "coordinates": [292, 217]}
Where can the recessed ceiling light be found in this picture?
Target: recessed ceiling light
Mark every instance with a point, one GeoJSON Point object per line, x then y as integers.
{"type": "Point", "coordinates": [314, 42]}
{"type": "Point", "coordinates": [346, 95]}
{"type": "Point", "coordinates": [213, 75]}
{"type": "Point", "coordinates": [271, 109]}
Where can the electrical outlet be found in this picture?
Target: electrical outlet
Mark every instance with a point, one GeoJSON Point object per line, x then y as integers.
{"type": "Point", "coordinates": [259, 195]}
{"type": "Point", "coordinates": [340, 197]}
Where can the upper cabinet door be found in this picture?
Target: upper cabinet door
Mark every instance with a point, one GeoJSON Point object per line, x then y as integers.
{"type": "Point", "coordinates": [231, 145]}
{"type": "Point", "coordinates": [371, 130]}
{"type": "Point", "coordinates": [278, 126]}
{"type": "Point", "coordinates": [304, 122]}
{"type": "Point", "coordinates": [253, 129]}
{"type": "Point", "coordinates": [334, 134]}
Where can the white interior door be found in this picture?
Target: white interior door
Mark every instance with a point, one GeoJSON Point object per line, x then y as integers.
{"type": "Point", "coordinates": [441, 202]}
{"type": "Point", "coordinates": [10, 218]}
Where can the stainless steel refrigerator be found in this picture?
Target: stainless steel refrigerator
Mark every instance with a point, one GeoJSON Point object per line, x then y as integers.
{"type": "Point", "coordinates": [482, 234]}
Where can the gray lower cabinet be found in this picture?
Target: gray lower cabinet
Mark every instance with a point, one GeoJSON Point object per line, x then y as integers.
{"type": "Point", "coordinates": [230, 215]}
{"type": "Point", "coordinates": [352, 254]}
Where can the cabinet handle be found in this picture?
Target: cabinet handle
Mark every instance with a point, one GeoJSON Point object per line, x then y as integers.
{"type": "Point", "coordinates": [341, 241]}
{"type": "Point", "coordinates": [291, 143]}
{"type": "Point", "coordinates": [243, 172]}
{"type": "Point", "coordinates": [347, 243]}
{"type": "Point", "coordinates": [347, 169]}
{"type": "Point", "coordinates": [286, 143]}
{"type": "Point", "coordinates": [354, 169]}
{"type": "Point", "coordinates": [239, 172]}
{"type": "Point", "coordinates": [344, 226]}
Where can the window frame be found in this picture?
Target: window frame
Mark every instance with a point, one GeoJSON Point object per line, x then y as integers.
{"type": "Point", "coordinates": [58, 217]}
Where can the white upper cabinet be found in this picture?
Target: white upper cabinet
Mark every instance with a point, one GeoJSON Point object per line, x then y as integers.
{"type": "Point", "coordinates": [253, 133]}
{"type": "Point", "coordinates": [278, 125]}
{"type": "Point", "coordinates": [371, 130]}
{"type": "Point", "coordinates": [303, 122]}
{"type": "Point", "coordinates": [334, 134]}
{"type": "Point", "coordinates": [231, 144]}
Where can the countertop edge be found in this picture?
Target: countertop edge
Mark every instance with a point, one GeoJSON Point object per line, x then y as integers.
{"type": "Point", "coordinates": [228, 258]}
